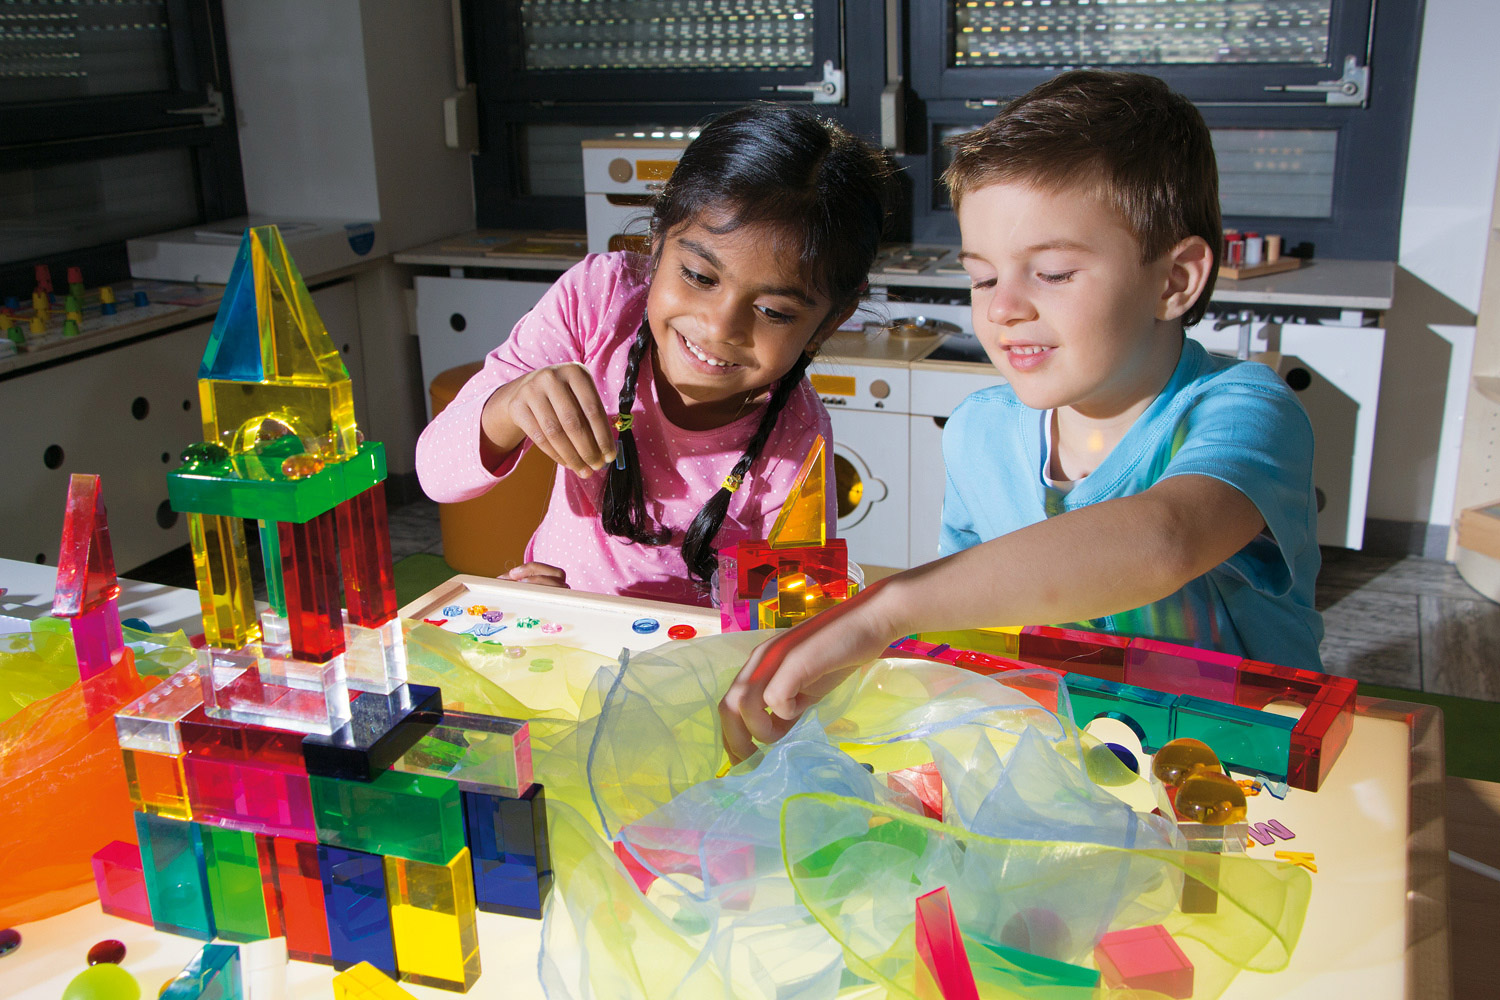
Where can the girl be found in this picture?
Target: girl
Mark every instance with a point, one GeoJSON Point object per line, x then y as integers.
{"type": "Point", "coordinates": [760, 246]}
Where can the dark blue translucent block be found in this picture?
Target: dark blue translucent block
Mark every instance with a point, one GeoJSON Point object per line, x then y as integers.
{"type": "Point", "coordinates": [213, 974]}
{"type": "Point", "coordinates": [380, 729]}
{"type": "Point", "coordinates": [508, 842]}
{"type": "Point", "coordinates": [359, 914]}
{"type": "Point", "coordinates": [176, 880]}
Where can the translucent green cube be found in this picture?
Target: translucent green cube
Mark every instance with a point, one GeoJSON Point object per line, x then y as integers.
{"type": "Point", "coordinates": [405, 815]}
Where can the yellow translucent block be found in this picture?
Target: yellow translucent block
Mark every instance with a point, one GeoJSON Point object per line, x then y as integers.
{"type": "Point", "coordinates": [241, 415]}
{"type": "Point", "coordinates": [300, 349]}
{"type": "Point", "coordinates": [803, 518]}
{"type": "Point", "coordinates": [156, 784]}
{"type": "Point", "coordinates": [433, 921]}
{"type": "Point", "coordinates": [225, 592]}
{"type": "Point", "coordinates": [365, 982]}
{"type": "Point", "coordinates": [1004, 642]}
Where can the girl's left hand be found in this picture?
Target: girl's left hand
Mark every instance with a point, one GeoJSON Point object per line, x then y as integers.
{"type": "Point", "coordinates": [540, 574]}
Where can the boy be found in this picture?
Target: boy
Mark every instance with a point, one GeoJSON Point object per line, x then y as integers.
{"type": "Point", "coordinates": [1122, 479]}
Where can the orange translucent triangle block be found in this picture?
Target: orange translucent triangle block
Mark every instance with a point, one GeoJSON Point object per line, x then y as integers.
{"type": "Point", "coordinates": [804, 517]}
{"type": "Point", "coordinates": [85, 562]}
{"type": "Point", "coordinates": [942, 970]}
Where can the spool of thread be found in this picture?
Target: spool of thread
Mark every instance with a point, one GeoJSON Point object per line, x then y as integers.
{"type": "Point", "coordinates": [1273, 249]}
{"type": "Point", "coordinates": [1253, 247]}
{"type": "Point", "coordinates": [1234, 255]}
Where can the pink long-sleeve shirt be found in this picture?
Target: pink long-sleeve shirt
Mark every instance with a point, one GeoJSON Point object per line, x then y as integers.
{"type": "Point", "coordinates": [590, 316]}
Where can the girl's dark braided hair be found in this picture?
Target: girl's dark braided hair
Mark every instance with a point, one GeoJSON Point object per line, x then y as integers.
{"type": "Point", "coordinates": [761, 164]}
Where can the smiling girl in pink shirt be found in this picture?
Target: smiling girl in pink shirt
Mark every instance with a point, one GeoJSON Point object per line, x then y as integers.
{"type": "Point", "coordinates": [761, 243]}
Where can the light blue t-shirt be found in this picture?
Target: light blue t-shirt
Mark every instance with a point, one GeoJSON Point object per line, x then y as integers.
{"type": "Point", "coordinates": [1233, 421]}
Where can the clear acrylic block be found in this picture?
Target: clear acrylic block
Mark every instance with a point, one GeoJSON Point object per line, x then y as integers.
{"type": "Point", "coordinates": [150, 722]}
{"type": "Point", "coordinates": [375, 658]}
{"type": "Point", "coordinates": [264, 685]}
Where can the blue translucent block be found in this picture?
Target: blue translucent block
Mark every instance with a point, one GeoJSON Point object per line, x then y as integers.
{"type": "Point", "coordinates": [176, 880]}
{"type": "Point", "coordinates": [510, 852]}
{"type": "Point", "coordinates": [234, 349]}
{"type": "Point", "coordinates": [1244, 739]}
{"type": "Point", "coordinates": [359, 914]}
{"type": "Point", "coordinates": [213, 974]}
{"type": "Point", "coordinates": [1147, 712]}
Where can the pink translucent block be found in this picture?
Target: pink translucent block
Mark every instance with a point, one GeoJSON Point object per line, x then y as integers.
{"type": "Point", "coordinates": [264, 686]}
{"type": "Point", "coordinates": [97, 638]}
{"type": "Point", "coordinates": [121, 882]}
{"type": "Point", "coordinates": [1327, 714]}
{"type": "Point", "coordinates": [1173, 669]}
{"type": "Point", "coordinates": [85, 561]}
{"type": "Point", "coordinates": [245, 795]}
{"type": "Point", "coordinates": [942, 970]}
{"type": "Point", "coordinates": [1144, 958]}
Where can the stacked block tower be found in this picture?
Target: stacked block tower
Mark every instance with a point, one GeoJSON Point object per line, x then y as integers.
{"type": "Point", "coordinates": [292, 782]}
{"type": "Point", "coordinates": [797, 570]}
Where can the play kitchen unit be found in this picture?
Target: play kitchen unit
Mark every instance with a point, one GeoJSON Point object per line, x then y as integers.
{"type": "Point", "coordinates": [893, 375]}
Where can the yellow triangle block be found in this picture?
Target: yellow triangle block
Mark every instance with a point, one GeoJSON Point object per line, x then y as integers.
{"type": "Point", "coordinates": [295, 345]}
{"type": "Point", "coordinates": [803, 518]}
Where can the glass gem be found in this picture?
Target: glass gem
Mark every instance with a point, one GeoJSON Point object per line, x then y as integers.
{"type": "Point", "coordinates": [301, 466]}
{"type": "Point", "coordinates": [109, 950]}
{"type": "Point", "coordinates": [681, 632]}
{"type": "Point", "coordinates": [1210, 797]}
{"type": "Point", "coordinates": [10, 940]}
{"type": "Point", "coordinates": [1180, 758]}
{"type": "Point", "coordinates": [645, 626]}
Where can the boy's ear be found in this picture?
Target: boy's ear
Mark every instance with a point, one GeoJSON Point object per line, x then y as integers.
{"type": "Point", "coordinates": [1189, 265]}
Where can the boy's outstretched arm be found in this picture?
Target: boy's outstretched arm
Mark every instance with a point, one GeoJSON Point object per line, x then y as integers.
{"type": "Point", "coordinates": [1098, 560]}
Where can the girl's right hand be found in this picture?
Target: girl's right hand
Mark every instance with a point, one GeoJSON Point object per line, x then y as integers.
{"type": "Point", "coordinates": [559, 409]}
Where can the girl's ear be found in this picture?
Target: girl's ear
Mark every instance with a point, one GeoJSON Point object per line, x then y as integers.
{"type": "Point", "coordinates": [1189, 265]}
{"type": "Point", "coordinates": [829, 327]}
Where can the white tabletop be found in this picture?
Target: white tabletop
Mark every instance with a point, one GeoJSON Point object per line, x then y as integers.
{"type": "Point", "coordinates": [28, 595]}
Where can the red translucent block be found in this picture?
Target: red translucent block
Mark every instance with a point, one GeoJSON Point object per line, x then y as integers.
{"type": "Point", "coordinates": [942, 968]}
{"type": "Point", "coordinates": [1075, 650]}
{"type": "Point", "coordinates": [1144, 958]}
{"type": "Point", "coordinates": [365, 545]}
{"type": "Point", "coordinates": [310, 576]}
{"type": "Point", "coordinates": [1173, 669]}
{"type": "Point", "coordinates": [85, 561]}
{"type": "Point", "coordinates": [294, 897]}
{"type": "Point", "coordinates": [715, 861]}
{"type": "Point", "coordinates": [203, 735]}
{"type": "Point", "coordinates": [925, 783]}
{"type": "Point", "coordinates": [245, 795]}
{"type": "Point", "coordinates": [121, 882]}
{"type": "Point", "coordinates": [1327, 714]}
{"type": "Point", "coordinates": [758, 564]}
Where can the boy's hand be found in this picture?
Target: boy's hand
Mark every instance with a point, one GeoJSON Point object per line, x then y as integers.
{"type": "Point", "coordinates": [794, 670]}
{"type": "Point", "coordinates": [538, 573]}
{"type": "Point", "coordinates": [559, 409]}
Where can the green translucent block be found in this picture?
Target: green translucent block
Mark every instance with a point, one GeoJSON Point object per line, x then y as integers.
{"type": "Point", "coordinates": [404, 815]}
{"type": "Point", "coordinates": [905, 835]}
{"type": "Point", "coordinates": [230, 488]}
{"type": "Point", "coordinates": [1247, 740]}
{"type": "Point", "coordinates": [480, 753]}
{"type": "Point", "coordinates": [1013, 969]}
{"type": "Point", "coordinates": [221, 563]}
{"type": "Point", "coordinates": [234, 884]}
{"type": "Point", "coordinates": [176, 883]}
{"type": "Point", "coordinates": [270, 551]}
{"type": "Point", "coordinates": [1147, 712]}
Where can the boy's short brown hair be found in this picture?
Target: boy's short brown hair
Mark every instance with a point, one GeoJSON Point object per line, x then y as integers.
{"type": "Point", "coordinates": [1143, 147]}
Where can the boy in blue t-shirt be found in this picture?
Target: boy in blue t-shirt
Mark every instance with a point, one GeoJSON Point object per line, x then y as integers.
{"type": "Point", "coordinates": [1122, 479]}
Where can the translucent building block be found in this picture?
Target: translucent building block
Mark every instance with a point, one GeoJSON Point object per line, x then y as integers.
{"type": "Point", "coordinates": [942, 970]}
{"type": "Point", "coordinates": [156, 784]}
{"type": "Point", "coordinates": [406, 815]}
{"type": "Point", "coordinates": [365, 545]}
{"type": "Point", "coordinates": [270, 557]}
{"type": "Point", "coordinates": [381, 728]}
{"type": "Point", "coordinates": [1095, 654]}
{"type": "Point", "coordinates": [510, 851]}
{"type": "Point", "coordinates": [274, 628]}
{"type": "Point", "coordinates": [85, 560]}
{"type": "Point", "coordinates": [1327, 715]}
{"type": "Point", "coordinates": [758, 564]}
{"type": "Point", "coordinates": [176, 882]}
{"type": "Point", "coordinates": [221, 564]}
{"type": "Point", "coordinates": [1147, 712]}
{"type": "Point", "coordinates": [246, 795]}
{"type": "Point", "coordinates": [254, 486]}
{"type": "Point", "coordinates": [359, 918]}
{"type": "Point", "coordinates": [309, 574]}
{"type": "Point", "coordinates": [301, 378]}
{"type": "Point", "coordinates": [713, 859]}
{"type": "Point", "coordinates": [213, 974]}
{"type": "Point", "coordinates": [1002, 642]}
{"type": "Point", "coordinates": [375, 658]}
{"type": "Point", "coordinates": [1163, 666]}
{"type": "Point", "coordinates": [121, 882]}
{"type": "Point", "coordinates": [225, 739]}
{"type": "Point", "coordinates": [365, 982]}
{"type": "Point", "coordinates": [293, 889]}
{"type": "Point", "coordinates": [263, 969]}
{"type": "Point", "coordinates": [804, 514]}
{"type": "Point", "coordinates": [479, 753]}
{"type": "Point", "coordinates": [265, 685]}
{"type": "Point", "coordinates": [433, 921]}
{"type": "Point", "coordinates": [1144, 958]}
{"type": "Point", "coordinates": [1257, 742]}
{"type": "Point", "coordinates": [923, 782]}
{"type": "Point", "coordinates": [98, 640]}
{"type": "Point", "coordinates": [234, 886]}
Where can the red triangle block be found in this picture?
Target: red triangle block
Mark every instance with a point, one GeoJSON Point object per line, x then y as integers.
{"type": "Point", "coordinates": [85, 562]}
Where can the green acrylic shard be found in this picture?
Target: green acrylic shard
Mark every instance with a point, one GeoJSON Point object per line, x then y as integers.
{"type": "Point", "coordinates": [253, 486]}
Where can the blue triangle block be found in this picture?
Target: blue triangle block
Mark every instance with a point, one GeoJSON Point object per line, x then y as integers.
{"type": "Point", "coordinates": [233, 352]}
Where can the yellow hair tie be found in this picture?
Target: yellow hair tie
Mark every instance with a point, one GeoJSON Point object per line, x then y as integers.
{"type": "Point", "coordinates": [623, 422]}
{"type": "Point", "coordinates": [732, 481]}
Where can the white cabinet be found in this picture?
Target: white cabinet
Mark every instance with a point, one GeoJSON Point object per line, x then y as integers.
{"type": "Point", "coordinates": [460, 320]}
